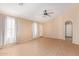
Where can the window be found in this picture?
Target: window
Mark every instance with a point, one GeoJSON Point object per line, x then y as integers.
{"type": "Point", "coordinates": [10, 32]}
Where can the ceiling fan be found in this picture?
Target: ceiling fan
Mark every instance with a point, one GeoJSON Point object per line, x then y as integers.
{"type": "Point", "coordinates": [47, 13]}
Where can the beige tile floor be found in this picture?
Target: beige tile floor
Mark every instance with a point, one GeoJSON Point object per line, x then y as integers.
{"type": "Point", "coordinates": [42, 47]}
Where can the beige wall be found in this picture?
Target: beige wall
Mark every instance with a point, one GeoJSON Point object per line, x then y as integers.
{"type": "Point", "coordinates": [53, 28]}
{"type": "Point", "coordinates": [24, 30]}
{"type": "Point", "coordinates": [56, 28]}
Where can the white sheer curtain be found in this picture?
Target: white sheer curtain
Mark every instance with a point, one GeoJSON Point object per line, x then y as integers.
{"type": "Point", "coordinates": [10, 32]}
{"type": "Point", "coordinates": [35, 29]}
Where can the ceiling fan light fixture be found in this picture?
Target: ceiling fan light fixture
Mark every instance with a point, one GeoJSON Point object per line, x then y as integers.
{"type": "Point", "coordinates": [45, 14]}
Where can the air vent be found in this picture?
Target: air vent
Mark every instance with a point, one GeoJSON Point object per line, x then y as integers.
{"type": "Point", "coordinates": [20, 4]}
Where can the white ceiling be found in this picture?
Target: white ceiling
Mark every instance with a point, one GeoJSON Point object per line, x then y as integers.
{"type": "Point", "coordinates": [33, 11]}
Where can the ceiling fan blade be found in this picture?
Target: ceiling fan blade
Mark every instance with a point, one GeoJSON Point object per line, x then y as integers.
{"type": "Point", "coordinates": [50, 10]}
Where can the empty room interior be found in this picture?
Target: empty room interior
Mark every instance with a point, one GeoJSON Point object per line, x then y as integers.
{"type": "Point", "coordinates": [39, 29]}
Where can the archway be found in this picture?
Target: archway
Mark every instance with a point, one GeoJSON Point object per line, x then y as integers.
{"type": "Point", "coordinates": [68, 31]}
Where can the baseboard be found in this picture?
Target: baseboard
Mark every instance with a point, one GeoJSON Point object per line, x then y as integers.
{"type": "Point", "coordinates": [52, 38]}
{"type": "Point", "coordinates": [77, 43]}
{"type": "Point", "coordinates": [38, 37]}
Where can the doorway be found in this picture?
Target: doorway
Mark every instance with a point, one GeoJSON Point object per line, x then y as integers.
{"type": "Point", "coordinates": [68, 31]}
